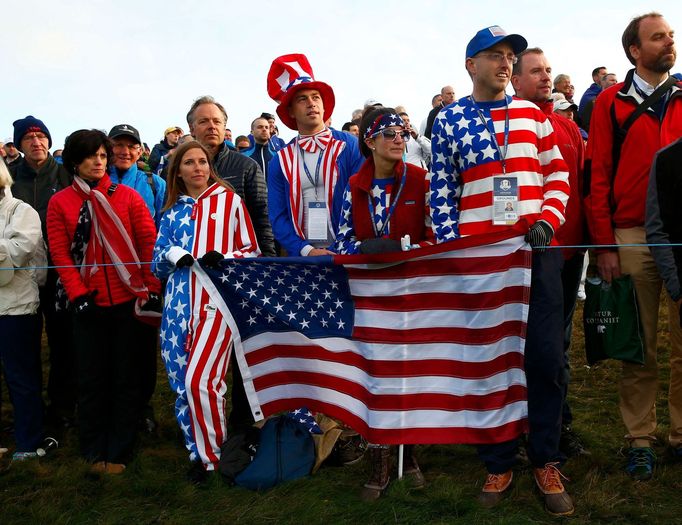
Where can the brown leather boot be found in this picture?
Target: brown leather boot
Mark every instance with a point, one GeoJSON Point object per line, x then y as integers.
{"type": "Point", "coordinates": [379, 459]}
{"type": "Point", "coordinates": [411, 469]}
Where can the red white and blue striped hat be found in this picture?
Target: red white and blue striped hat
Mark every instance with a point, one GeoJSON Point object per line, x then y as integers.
{"type": "Point", "coordinates": [289, 74]}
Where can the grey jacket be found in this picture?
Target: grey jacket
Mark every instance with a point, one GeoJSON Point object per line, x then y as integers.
{"type": "Point", "coordinates": [248, 182]}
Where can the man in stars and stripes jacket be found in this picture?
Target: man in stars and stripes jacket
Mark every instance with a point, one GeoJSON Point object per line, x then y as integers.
{"type": "Point", "coordinates": [495, 161]}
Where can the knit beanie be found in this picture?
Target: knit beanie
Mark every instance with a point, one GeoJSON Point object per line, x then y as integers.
{"type": "Point", "coordinates": [25, 125]}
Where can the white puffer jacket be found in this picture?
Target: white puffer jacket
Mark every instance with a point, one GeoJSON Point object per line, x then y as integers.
{"type": "Point", "coordinates": [21, 239]}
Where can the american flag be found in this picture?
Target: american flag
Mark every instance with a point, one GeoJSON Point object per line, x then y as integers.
{"type": "Point", "coordinates": [423, 346]}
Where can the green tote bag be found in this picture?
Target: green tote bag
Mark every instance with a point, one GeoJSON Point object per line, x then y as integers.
{"type": "Point", "coordinates": [611, 321]}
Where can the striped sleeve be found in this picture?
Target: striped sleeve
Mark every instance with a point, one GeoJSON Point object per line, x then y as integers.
{"type": "Point", "coordinates": [554, 172]}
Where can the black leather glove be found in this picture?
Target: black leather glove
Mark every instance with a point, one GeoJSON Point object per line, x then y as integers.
{"type": "Point", "coordinates": [379, 245]}
{"type": "Point", "coordinates": [185, 261]}
{"type": "Point", "coordinates": [539, 235]}
{"type": "Point", "coordinates": [153, 304]}
{"type": "Point", "coordinates": [211, 259]}
{"type": "Point", "coordinates": [84, 305]}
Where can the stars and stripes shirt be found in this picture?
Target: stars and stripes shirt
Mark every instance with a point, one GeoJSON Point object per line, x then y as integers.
{"type": "Point", "coordinates": [346, 241]}
{"type": "Point", "coordinates": [217, 220]}
{"type": "Point", "coordinates": [465, 159]}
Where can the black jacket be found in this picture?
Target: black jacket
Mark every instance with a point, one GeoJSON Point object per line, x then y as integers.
{"type": "Point", "coordinates": [158, 151]}
{"type": "Point", "coordinates": [430, 120]}
{"type": "Point", "coordinates": [248, 182]}
{"type": "Point", "coordinates": [37, 188]}
{"type": "Point", "coordinates": [664, 216]}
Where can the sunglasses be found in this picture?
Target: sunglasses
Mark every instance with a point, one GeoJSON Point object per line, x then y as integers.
{"type": "Point", "coordinates": [391, 134]}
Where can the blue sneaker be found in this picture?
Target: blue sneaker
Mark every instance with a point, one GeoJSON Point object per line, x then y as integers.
{"type": "Point", "coordinates": [23, 456]}
{"type": "Point", "coordinates": [641, 463]}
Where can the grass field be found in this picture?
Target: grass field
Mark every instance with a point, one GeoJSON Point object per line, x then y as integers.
{"type": "Point", "coordinates": [59, 488]}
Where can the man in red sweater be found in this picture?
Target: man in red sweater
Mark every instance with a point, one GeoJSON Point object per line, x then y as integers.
{"type": "Point", "coordinates": [532, 80]}
{"type": "Point", "coordinates": [617, 205]}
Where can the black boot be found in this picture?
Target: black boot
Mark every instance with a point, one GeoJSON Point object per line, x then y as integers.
{"type": "Point", "coordinates": [379, 458]}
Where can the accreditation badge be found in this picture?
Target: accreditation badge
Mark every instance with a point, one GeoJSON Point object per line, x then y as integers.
{"type": "Point", "coordinates": [316, 227]}
{"type": "Point", "coordinates": [505, 200]}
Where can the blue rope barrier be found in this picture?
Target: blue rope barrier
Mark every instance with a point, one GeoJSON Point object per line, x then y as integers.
{"type": "Point", "coordinates": [572, 246]}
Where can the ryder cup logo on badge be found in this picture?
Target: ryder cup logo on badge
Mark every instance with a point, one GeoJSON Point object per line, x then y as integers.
{"type": "Point", "coordinates": [505, 187]}
{"type": "Point", "coordinates": [497, 31]}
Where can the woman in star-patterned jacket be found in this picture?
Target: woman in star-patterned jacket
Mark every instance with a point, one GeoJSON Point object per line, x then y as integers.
{"type": "Point", "coordinates": [384, 201]}
{"type": "Point", "coordinates": [204, 219]}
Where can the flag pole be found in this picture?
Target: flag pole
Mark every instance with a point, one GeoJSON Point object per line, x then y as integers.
{"type": "Point", "coordinates": [400, 461]}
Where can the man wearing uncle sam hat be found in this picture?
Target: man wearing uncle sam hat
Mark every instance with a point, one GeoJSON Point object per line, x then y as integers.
{"type": "Point", "coordinates": [307, 178]}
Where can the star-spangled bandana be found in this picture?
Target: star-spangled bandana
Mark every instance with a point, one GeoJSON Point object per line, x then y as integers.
{"type": "Point", "coordinates": [382, 122]}
{"type": "Point", "coordinates": [311, 143]}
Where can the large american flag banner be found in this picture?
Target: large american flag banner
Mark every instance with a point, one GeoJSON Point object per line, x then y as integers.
{"type": "Point", "coordinates": [424, 346]}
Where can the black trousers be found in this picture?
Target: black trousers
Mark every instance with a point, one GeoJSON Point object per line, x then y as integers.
{"type": "Point", "coordinates": [545, 371]}
{"type": "Point", "coordinates": [149, 352]}
{"type": "Point", "coordinates": [61, 384]}
{"type": "Point", "coordinates": [108, 344]}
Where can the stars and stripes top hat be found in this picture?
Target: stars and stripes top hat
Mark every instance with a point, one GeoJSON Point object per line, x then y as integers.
{"type": "Point", "coordinates": [289, 74]}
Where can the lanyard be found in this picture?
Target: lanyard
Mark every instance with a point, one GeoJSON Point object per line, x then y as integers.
{"type": "Point", "coordinates": [492, 132]}
{"type": "Point", "coordinates": [391, 207]}
{"type": "Point", "coordinates": [317, 170]}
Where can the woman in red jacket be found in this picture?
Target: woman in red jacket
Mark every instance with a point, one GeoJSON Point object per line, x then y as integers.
{"type": "Point", "coordinates": [385, 202]}
{"type": "Point", "coordinates": [99, 233]}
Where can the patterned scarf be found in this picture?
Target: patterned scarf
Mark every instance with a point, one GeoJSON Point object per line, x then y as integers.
{"type": "Point", "coordinates": [100, 230]}
{"type": "Point", "coordinates": [80, 241]}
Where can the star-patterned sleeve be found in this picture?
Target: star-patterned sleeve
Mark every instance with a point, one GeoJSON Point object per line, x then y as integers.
{"type": "Point", "coordinates": [346, 242]}
{"type": "Point", "coordinates": [445, 186]}
{"type": "Point", "coordinates": [166, 251]}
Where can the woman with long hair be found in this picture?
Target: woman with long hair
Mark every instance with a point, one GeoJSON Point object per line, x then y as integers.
{"type": "Point", "coordinates": [385, 205]}
{"type": "Point", "coordinates": [204, 219]}
{"type": "Point", "coordinates": [100, 233]}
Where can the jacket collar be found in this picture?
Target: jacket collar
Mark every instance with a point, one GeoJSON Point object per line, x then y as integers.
{"type": "Point", "coordinates": [366, 173]}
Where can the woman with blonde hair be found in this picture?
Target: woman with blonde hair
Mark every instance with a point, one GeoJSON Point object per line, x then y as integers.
{"type": "Point", "coordinates": [204, 219]}
{"type": "Point", "coordinates": [21, 246]}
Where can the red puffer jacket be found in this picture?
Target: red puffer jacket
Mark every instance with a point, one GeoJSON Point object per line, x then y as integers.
{"type": "Point", "coordinates": [62, 217]}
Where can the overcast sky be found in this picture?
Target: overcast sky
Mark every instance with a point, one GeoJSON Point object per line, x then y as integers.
{"type": "Point", "coordinates": [93, 64]}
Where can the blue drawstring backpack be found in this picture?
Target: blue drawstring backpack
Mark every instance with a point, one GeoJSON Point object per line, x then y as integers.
{"type": "Point", "coordinates": [286, 452]}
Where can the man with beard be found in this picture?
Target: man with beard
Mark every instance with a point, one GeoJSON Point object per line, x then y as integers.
{"type": "Point", "coordinates": [622, 151]}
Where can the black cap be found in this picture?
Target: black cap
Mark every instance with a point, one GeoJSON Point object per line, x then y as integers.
{"type": "Point", "coordinates": [125, 130]}
{"type": "Point", "coordinates": [267, 116]}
